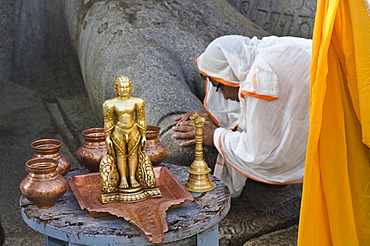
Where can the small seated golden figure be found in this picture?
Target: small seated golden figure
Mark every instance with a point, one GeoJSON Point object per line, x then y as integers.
{"type": "Point", "coordinates": [126, 173]}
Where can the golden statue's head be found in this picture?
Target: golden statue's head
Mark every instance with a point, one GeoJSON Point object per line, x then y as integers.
{"type": "Point", "coordinates": [123, 85]}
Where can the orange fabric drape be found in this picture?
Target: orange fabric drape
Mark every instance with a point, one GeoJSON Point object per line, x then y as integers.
{"type": "Point", "coordinates": [335, 208]}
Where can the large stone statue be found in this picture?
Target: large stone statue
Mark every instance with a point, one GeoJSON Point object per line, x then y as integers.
{"type": "Point", "coordinates": [153, 42]}
{"type": "Point", "coordinates": [125, 170]}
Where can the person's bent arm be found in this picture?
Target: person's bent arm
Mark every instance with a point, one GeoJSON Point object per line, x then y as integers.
{"type": "Point", "coordinates": [272, 149]}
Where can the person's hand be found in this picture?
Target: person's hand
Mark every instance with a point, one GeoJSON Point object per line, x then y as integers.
{"type": "Point", "coordinates": [110, 147]}
{"type": "Point", "coordinates": [186, 130]}
{"type": "Point", "coordinates": [208, 132]}
{"type": "Point", "coordinates": [187, 116]}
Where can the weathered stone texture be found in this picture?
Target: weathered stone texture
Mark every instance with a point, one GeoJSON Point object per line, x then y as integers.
{"type": "Point", "coordinates": [281, 18]}
{"type": "Point", "coordinates": [153, 42]}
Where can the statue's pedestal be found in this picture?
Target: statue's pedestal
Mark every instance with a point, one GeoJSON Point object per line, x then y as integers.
{"type": "Point", "coordinates": [134, 196]}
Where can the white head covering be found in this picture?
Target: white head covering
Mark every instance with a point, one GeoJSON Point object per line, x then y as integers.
{"type": "Point", "coordinates": [271, 139]}
{"type": "Point", "coordinates": [228, 59]}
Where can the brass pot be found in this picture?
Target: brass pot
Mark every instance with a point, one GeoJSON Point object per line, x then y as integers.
{"type": "Point", "coordinates": [49, 148]}
{"type": "Point", "coordinates": [155, 150]}
{"type": "Point", "coordinates": [94, 148]}
{"type": "Point", "coordinates": [43, 185]}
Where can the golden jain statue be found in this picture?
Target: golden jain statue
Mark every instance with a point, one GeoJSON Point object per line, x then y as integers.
{"type": "Point", "coordinates": [199, 180]}
{"type": "Point", "coordinates": [126, 173]}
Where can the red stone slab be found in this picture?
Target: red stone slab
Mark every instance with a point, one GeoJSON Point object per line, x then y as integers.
{"type": "Point", "coordinates": [148, 216]}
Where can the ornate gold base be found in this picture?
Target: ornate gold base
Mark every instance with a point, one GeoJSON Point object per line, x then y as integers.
{"type": "Point", "coordinates": [199, 179]}
{"type": "Point", "coordinates": [199, 183]}
{"type": "Point", "coordinates": [134, 195]}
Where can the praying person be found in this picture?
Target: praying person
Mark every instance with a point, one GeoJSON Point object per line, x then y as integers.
{"type": "Point", "coordinates": [257, 102]}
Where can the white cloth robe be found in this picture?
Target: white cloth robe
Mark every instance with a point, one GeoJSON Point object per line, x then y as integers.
{"type": "Point", "coordinates": [269, 144]}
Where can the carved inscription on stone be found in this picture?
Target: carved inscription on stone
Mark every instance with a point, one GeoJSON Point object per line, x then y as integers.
{"type": "Point", "coordinates": [280, 17]}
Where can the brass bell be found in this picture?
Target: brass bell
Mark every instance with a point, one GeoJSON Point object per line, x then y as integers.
{"type": "Point", "coordinates": [199, 179]}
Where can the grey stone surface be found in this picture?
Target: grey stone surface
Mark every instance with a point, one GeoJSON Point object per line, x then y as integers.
{"type": "Point", "coordinates": [281, 18]}
{"type": "Point", "coordinates": [285, 237]}
{"type": "Point", "coordinates": [259, 210]}
{"type": "Point", "coordinates": [14, 142]}
{"type": "Point", "coordinates": [24, 119]}
{"type": "Point", "coordinates": [76, 43]}
{"type": "Point", "coordinates": [155, 43]}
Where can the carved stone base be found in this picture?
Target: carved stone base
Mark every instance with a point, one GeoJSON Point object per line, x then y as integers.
{"type": "Point", "coordinates": [134, 196]}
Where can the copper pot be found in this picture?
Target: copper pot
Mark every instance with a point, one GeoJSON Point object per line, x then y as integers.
{"type": "Point", "coordinates": [49, 148]}
{"type": "Point", "coordinates": [155, 150]}
{"type": "Point", "coordinates": [94, 148]}
{"type": "Point", "coordinates": [43, 185]}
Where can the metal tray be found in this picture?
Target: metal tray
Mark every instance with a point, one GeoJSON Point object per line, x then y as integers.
{"type": "Point", "coordinates": [148, 216]}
